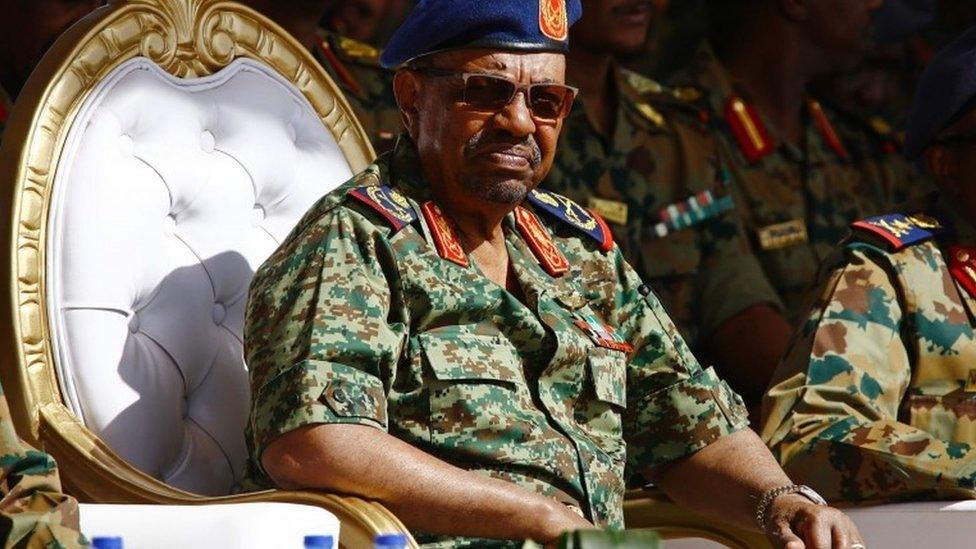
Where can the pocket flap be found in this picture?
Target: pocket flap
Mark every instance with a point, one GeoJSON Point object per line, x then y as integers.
{"type": "Point", "coordinates": [471, 357]}
{"type": "Point", "coordinates": [608, 372]}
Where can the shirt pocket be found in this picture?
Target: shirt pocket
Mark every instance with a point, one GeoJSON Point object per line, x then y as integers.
{"type": "Point", "coordinates": [599, 410]}
{"type": "Point", "coordinates": [950, 417]}
{"type": "Point", "coordinates": [475, 392]}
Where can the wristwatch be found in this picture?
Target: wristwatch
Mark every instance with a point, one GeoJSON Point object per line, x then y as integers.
{"type": "Point", "coordinates": [767, 497]}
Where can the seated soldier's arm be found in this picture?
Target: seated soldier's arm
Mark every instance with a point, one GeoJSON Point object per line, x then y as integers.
{"type": "Point", "coordinates": [426, 493]}
{"type": "Point", "coordinates": [832, 416]}
{"type": "Point", "coordinates": [33, 511]}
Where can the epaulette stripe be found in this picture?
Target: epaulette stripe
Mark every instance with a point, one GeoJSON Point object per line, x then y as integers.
{"type": "Point", "coordinates": [827, 129]}
{"type": "Point", "coordinates": [384, 201]}
{"type": "Point", "coordinates": [607, 243]}
{"type": "Point", "coordinates": [341, 71]}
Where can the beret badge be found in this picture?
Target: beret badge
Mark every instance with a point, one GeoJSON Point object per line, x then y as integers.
{"type": "Point", "coordinates": [553, 19]}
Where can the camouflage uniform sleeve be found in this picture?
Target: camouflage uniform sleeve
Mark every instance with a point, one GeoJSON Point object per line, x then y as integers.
{"type": "Point", "coordinates": [831, 416]}
{"type": "Point", "coordinates": [318, 340]}
{"type": "Point", "coordinates": [33, 511]}
{"type": "Point", "coordinates": [674, 406]}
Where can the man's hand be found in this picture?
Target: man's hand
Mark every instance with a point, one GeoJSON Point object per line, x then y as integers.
{"type": "Point", "coordinates": [560, 519]}
{"type": "Point", "coordinates": [796, 523]}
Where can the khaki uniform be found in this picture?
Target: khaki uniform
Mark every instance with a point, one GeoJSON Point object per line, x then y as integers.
{"type": "Point", "coordinates": [796, 202]}
{"type": "Point", "coordinates": [876, 397]}
{"type": "Point", "coordinates": [661, 185]}
{"type": "Point", "coordinates": [371, 313]}
{"type": "Point", "coordinates": [33, 511]}
{"type": "Point", "coordinates": [368, 87]}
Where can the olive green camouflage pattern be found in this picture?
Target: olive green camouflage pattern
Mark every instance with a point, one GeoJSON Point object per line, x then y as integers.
{"type": "Point", "coordinates": [33, 511]}
{"type": "Point", "coordinates": [661, 153]}
{"type": "Point", "coordinates": [875, 399]}
{"type": "Point", "coordinates": [813, 190]}
{"type": "Point", "coordinates": [355, 68]}
{"type": "Point", "coordinates": [353, 322]}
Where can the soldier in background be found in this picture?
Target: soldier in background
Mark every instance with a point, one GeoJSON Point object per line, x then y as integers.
{"type": "Point", "coordinates": [641, 155]}
{"type": "Point", "coordinates": [27, 30]}
{"type": "Point", "coordinates": [875, 399]}
{"type": "Point", "coordinates": [33, 511]}
{"type": "Point", "coordinates": [800, 177]}
{"type": "Point", "coordinates": [353, 65]}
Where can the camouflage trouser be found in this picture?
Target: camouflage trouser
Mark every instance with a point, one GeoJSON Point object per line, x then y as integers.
{"type": "Point", "coordinates": [583, 539]}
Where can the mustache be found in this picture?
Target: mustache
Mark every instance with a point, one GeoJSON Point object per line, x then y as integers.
{"type": "Point", "coordinates": [485, 142]}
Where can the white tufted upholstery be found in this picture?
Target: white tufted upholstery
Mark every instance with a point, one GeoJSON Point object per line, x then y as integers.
{"type": "Point", "coordinates": [169, 194]}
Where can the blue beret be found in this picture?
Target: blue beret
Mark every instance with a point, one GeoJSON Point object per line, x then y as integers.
{"type": "Point", "coordinates": [897, 20]}
{"type": "Point", "coordinates": [523, 25]}
{"type": "Point", "coordinates": [947, 86]}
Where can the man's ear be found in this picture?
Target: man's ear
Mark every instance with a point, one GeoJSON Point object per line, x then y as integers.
{"type": "Point", "coordinates": [406, 88]}
{"type": "Point", "coordinates": [794, 10]}
{"type": "Point", "coordinates": [939, 160]}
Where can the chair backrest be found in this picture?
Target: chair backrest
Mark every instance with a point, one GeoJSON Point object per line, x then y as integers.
{"type": "Point", "coordinates": [176, 167]}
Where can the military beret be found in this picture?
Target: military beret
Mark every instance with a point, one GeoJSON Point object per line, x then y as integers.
{"type": "Point", "coordinates": [523, 25]}
{"type": "Point", "coordinates": [946, 88]}
{"type": "Point", "coordinates": [897, 20]}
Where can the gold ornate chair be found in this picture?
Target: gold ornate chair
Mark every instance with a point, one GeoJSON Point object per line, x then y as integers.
{"type": "Point", "coordinates": [158, 154]}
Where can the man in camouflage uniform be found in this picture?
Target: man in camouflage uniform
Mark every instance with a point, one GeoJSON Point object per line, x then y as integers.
{"type": "Point", "coordinates": [641, 156]}
{"type": "Point", "coordinates": [440, 336]}
{"type": "Point", "coordinates": [353, 66]}
{"type": "Point", "coordinates": [27, 30]}
{"type": "Point", "coordinates": [33, 511]}
{"type": "Point", "coordinates": [801, 176]}
{"type": "Point", "coordinates": [875, 399]}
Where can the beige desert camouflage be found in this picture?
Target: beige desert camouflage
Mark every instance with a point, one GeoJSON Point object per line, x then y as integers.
{"type": "Point", "coordinates": [33, 511]}
{"type": "Point", "coordinates": [356, 319]}
{"type": "Point", "coordinates": [876, 398]}
{"type": "Point", "coordinates": [660, 158]}
{"type": "Point", "coordinates": [796, 203]}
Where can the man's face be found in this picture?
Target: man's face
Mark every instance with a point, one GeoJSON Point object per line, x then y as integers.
{"type": "Point", "coordinates": [842, 30]}
{"type": "Point", "coordinates": [493, 155]}
{"type": "Point", "coordinates": [952, 160]}
{"type": "Point", "coordinates": [618, 27]}
{"type": "Point", "coordinates": [359, 19]}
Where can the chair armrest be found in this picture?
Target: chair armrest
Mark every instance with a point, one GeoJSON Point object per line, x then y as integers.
{"type": "Point", "coordinates": [651, 509]}
{"type": "Point", "coordinates": [93, 473]}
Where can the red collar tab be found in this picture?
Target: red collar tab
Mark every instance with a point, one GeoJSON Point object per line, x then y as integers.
{"type": "Point", "coordinates": [445, 239]}
{"type": "Point", "coordinates": [342, 73]}
{"type": "Point", "coordinates": [601, 334]}
{"type": "Point", "coordinates": [962, 265]}
{"type": "Point", "coordinates": [748, 129]}
{"type": "Point", "coordinates": [827, 129]}
{"type": "Point", "coordinates": [4, 113]}
{"type": "Point", "coordinates": [545, 250]}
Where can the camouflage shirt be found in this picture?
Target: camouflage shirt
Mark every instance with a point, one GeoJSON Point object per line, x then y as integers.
{"type": "Point", "coordinates": [795, 201]}
{"type": "Point", "coordinates": [33, 511]}
{"type": "Point", "coordinates": [876, 397]}
{"type": "Point", "coordinates": [659, 183]}
{"type": "Point", "coordinates": [361, 317]}
{"type": "Point", "coordinates": [368, 87]}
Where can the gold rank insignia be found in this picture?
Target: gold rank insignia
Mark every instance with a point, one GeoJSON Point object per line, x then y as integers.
{"type": "Point", "coordinates": [387, 202]}
{"type": "Point", "coordinates": [971, 382]}
{"type": "Point", "coordinates": [611, 210]}
{"type": "Point", "coordinates": [783, 235]}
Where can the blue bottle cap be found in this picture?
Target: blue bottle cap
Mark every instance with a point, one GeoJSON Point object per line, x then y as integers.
{"type": "Point", "coordinates": [319, 542]}
{"type": "Point", "coordinates": [390, 541]}
{"type": "Point", "coordinates": [106, 542]}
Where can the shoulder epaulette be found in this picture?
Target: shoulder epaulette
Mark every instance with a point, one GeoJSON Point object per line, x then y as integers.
{"type": "Point", "coordinates": [387, 202]}
{"type": "Point", "coordinates": [329, 53]}
{"type": "Point", "coordinates": [574, 215]}
{"type": "Point", "coordinates": [652, 97]}
{"type": "Point", "coordinates": [748, 129]}
{"type": "Point", "coordinates": [902, 230]}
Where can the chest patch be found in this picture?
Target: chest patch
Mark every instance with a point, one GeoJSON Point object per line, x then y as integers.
{"type": "Point", "coordinates": [783, 235]}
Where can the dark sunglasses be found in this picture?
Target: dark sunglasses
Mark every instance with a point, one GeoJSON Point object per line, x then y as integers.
{"type": "Point", "coordinates": [492, 93]}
